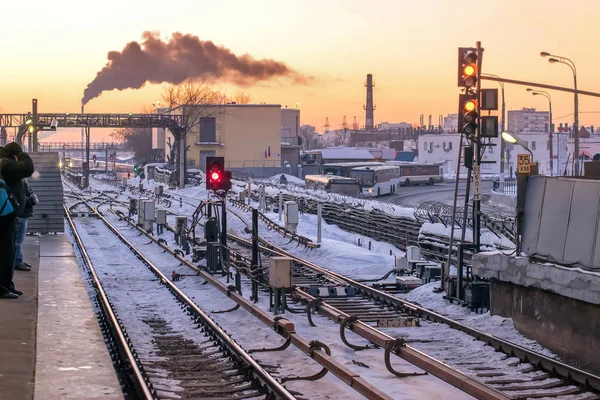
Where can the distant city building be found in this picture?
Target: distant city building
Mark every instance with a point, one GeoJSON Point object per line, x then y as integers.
{"type": "Point", "coordinates": [290, 139]}
{"type": "Point", "coordinates": [393, 126]}
{"type": "Point", "coordinates": [451, 123]}
{"type": "Point", "coordinates": [251, 137]}
{"type": "Point", "coordinates": [528, 120]}
{"type": "Point", "coordinates": [443, 148]}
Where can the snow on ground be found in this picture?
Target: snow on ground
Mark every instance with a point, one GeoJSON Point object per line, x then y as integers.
{"type": "Point", "coordinates": [322, 196]}
{"type": "Point", "coordinates": [494, 325]}
{"type": "Point", "coordinates": [339, 253]}
{"type": "Point", "coordinates": [487, 238]}
{"type": "Point", "coordinates": [256, 335]}
{"type": "Point", "coordinates": [275, 179]}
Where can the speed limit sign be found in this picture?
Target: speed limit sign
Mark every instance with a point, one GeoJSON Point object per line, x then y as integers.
{"type": "Point", "coordinates": [524, 163]}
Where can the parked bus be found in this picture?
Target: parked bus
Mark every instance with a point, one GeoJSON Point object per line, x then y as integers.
{"type": "Point", "coordinates": [343, 169]}
{"type": "Point", "coordinates": [378, 180]}
{"type": "Point", "coordinates": [332, 184]}
{"type": "Point", "coordinates": [419, 174]}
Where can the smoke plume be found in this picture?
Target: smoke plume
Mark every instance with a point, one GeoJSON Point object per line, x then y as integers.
{"type": "Point", "coordinates": [182, 57]}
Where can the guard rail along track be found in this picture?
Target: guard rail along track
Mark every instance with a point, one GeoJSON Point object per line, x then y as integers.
{"type": "Point", "coordinates": [316, 350]}
{"type": "Point", "coordinates": [554, 377]}
{"type": "Point", "coordinates": [236, 372]}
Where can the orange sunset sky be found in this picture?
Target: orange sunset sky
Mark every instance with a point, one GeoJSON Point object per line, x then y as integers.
{"type": "Point", "coordinates": [51, 50]}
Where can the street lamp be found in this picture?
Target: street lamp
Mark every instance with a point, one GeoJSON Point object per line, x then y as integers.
{"type": "Point", "coordinates": [564, 60]}
{"type": "Point", "coordinates": [512, 137]}
{"type": "Point", "coordinates": [547, 95]}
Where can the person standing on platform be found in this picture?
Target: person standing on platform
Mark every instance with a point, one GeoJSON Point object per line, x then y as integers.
{"type": "Point", "coordinates": [31, 200]}
{"type": "Point", "coordinates": [15, 165]}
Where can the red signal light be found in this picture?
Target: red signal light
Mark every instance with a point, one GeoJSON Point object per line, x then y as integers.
{"type": "Point", "coordinates": [215, 176]}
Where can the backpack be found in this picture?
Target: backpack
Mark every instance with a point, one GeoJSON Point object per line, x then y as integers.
{"type": "Point", "coordinates": [8, 204]}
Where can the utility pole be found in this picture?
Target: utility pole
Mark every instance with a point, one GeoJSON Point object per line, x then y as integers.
{"type": "Point", "coordinates": [477, 198]}
{"type": "Point", "coordinates": [181, 160]}
{"type": "Point", "coordinates": [34, 115]}
{"type": "Point", "coordinates": [87, 156]}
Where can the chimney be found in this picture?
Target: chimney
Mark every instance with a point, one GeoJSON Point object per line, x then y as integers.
{"type": "Point", "coordinates": [369, 119]}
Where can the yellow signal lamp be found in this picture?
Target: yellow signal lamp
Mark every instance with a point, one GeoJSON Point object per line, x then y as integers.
{"type": "Point", "coordinates": [31, 129]}
{"type": "Point", "coordinates": [470, 105]}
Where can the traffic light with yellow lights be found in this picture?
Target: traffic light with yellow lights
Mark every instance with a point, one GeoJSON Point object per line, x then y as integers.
{"type": "Point", "coordinates": [467, 68]}
{"type": "Point", "coordinates": [216, 176]}
{"type": "Point", "coordinates": [467, 114]}
{"type": "Point", "coordinates": [29, 124]}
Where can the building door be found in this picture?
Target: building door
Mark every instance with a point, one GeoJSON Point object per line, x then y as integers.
{"type": "Point", "coordinates": [203, 155]}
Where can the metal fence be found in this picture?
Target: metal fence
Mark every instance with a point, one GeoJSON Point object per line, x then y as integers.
{"type": "Point", "coordinates": [507, 188]}
{"type": "Point", "coordinates": [362, 218]}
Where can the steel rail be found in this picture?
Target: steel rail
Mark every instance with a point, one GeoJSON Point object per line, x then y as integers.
{"type": "Point", "coordinates": [137, 373]}
{"type": "Point", "coordinates": [415, 357]}
{"type": "Point", "coordinates": [257, 370]}
{"type": "Point", "coordinates": [281, 326]}
{"type": "Point", "coordinates": [541, 361]}
{"type": "Point", "coordinates": [545, 363]}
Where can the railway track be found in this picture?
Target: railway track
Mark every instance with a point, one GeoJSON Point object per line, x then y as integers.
{"type": "Point", "coordinates": [168, 355]}
{"type": "Point", "coordinates": [515, 371]}
{"type": "Point", "coordinates": [316, 350]}
{"type": "Point", "coordinates": [499, 369]}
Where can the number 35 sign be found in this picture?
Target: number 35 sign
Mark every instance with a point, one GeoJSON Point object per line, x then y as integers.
{"type": "Point", "coordinates": [524, 163]}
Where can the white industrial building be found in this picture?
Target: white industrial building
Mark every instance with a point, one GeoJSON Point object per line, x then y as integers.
{"type": "Point", "coordinates": [443, 148]}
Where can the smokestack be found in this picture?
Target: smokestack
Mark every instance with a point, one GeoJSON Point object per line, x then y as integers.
{"type": "Point", "coordinates": [181, 58]}
{"type": "Point", "coordinates": [369, 119]}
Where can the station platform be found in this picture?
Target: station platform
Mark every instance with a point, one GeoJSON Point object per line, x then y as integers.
{"type": "Point", "coordinates": [50, 344]}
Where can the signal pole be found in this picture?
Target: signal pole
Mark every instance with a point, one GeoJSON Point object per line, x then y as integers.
{"type": "Point", "coordinates": [477, 195]}
{"type": "Point", "coordinates": [34, 115]}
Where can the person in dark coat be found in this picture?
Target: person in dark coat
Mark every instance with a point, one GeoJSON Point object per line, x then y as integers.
{"type": "Point", "coordinates": [15, 165]}
{"type": "Point", "coordinates": [31, 200]}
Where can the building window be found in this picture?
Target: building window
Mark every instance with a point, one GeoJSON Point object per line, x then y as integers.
{"type": "Point", "coordinates": [449, 145]}
{"type": "Point", "coordinates": [425, 146]}
{"type": "Point", "coordinates": [533, 145]}
{"type": "Point", "coordinates": [208, 130]}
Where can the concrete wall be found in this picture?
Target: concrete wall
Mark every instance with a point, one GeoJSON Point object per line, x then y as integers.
{"type": "Point", "coordinates": [557, 306]}
{"type": "Point", "coordinates": [569, 327]}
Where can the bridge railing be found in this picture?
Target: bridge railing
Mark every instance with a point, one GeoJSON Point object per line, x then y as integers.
{"type": "Point", "coordinates": [58, 146]}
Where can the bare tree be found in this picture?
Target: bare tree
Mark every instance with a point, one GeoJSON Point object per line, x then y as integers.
{"type": "Point", "coordinates": [193, 100]}
{"type": "Point", "coordinates": [242, 98]}
{"type": "Point", "coordinates": [310, 139]}
{"type": "Point", "coordinates": [337, 138]}
{"type": "Point", "coordinates": [137, 139]}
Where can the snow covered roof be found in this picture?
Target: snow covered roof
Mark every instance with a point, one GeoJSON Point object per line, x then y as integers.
{"type": "Point", "coordinates": [346, 153]}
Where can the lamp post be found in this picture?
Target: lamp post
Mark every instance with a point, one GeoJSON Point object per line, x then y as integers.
{"type": "Point", "coordinates": [512, 137]}
{"type": "Point", "coordinates": [547, 95]}
{"type": "Point", "coordinates": [564, 60]}
{"type": "Point", "coordinates": [502, 127]}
